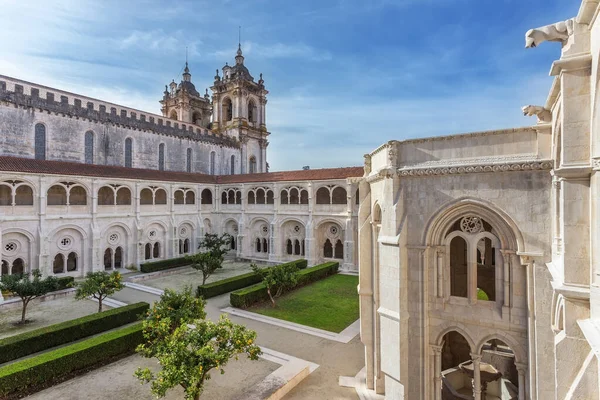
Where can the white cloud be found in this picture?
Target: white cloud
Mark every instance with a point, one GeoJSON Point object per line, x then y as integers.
{"type": "Point", "coordinates": [276, 51]}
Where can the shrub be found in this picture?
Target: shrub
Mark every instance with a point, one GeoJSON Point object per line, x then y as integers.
{"type": "Point", "coordinates": [278, 279]}
{"type": "Point", "coordinates": [237, 282]}
{"type": "Point", "coordinates": [163, 264]}
{"type": "Point", "coordinates": [45, 338]}
{"type": "Point", "coordinates": [44, 369]}
{"type": "Point", "coordinates": [65, 282]}
{"type": "Point", "coordinates": [244, 298]}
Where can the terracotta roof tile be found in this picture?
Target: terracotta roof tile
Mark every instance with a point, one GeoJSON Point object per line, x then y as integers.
{"type": "Point", "coordinates": [29, 165]}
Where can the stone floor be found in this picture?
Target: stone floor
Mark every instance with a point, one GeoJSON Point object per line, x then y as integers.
{"type": "Point", "coordinates": [116, 382]}
{"type": "Point", "coordinates": [44, 313]}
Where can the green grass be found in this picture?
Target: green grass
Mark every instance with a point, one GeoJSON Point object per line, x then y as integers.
{"type": "Point", "coordinates": [330, 304]}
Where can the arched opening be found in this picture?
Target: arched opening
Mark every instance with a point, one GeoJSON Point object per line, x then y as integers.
{"type": "Point", "coordinates": [251, 108]}
{"type": "Point", "coordinates": [188, 160]}
{"type": "Point", "coordinates": [5, 195]}
{"type": "Point", "coordinates": [228, 109]}
{"type": "Point", "coordinates": [339, 250]}
{"type": "Point", "coordinates": [284, 197]}
{"type": "Point", "coordinates": [265, 245]}
{"type": "Point", "coordinates": [224, 198]}
{"type": "Point", "coordinates": [40, 142]}
{"type": "Point", "coordinates": [458, 267]}
{"type": "Point", "coordinates": [328, 249]}
{"type": "Point", "coordinates": [486, 270]}
{"type": "Point", "coordinates": [260, 196]}
{"type": "Point", "coordinates": [156, 250]}
{"type": "Point", "coordinates": [128, 152]}
{"type": "Point", "coordinates": [161, 157]}
{"type": "Point", "coordinates": [180, 246]}
{"type": "Point", "coordinates": [251, 197]}
{"type": "Point", "coordinates": [206, 197]}
{"type": "Point", "coordinates": [58, 266]}
{"type": "Point", "coordinates": [24, 196]}
{"type": "Point", "coordinates": [190, 197]}
{"type": "Point", "coordinates": [5, 267]}
{"type": "Point", "coordinates": [238, 197]}
{"type": "Point", "coordinates": [108, 259]}
{"type": "Point", "coordinates": [323, 196]}
{"type": "Point", "coordinates": [356, 197]}
{"type": "Point", "coordinates": [252, 164]}
{"type": "Point", "coordinates": [160, 196]}
{"type": "Point", "coordinates": [289, 247]}
{"type": "Point", "coordinates": [339, 196]}
{"type": "Point", "coordinates": [303, 196]}
{"type": "Point", "coordinates": [270, 198]}
{"type": "Point", "coordinates": [89, 147]}
{"type": "Point", "coordinates": [119, 257]}
{"type": "Point", "coordinates": [178, 197]}
{"type": "Point", "coordinates": [72, 262]}
{"type": "Point", "coordinates": [146, 197]}
{"type": "Point", "coordinates": [77, 196]}
{"type": "Point", "coordinates": [258, 245]}
{"type": "Point", "coordinates": [294, 196]}
{"type": "Point", "coordinates": [18, 267]}
{"type": "Point", "coordinates": [123, 196]}
{"type": "Point", "coordinates": [186, 246]}
{"type": "Point", "coordinates": [148, 251]}
{"type": "Point", "coordinates": [232, 165]}
{"type": "Point", "coordinates": [297, 249]}
{"type": "Point", "coordinates": [57, 196]}
{"type": "Point", "coordinates": [231, 197]}
{"type": "Point", "coordinates": [106, 196]}
{"type": "Point", "coordinates": [455, 350]}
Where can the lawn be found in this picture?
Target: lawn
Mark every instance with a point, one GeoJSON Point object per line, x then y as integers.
{"type": "Point", "coordinates": [330, 304]}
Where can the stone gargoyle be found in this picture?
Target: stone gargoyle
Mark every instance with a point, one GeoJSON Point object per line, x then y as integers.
{"type": "Point", "coordinates": [558, 32]}
{"type": "Point", "coordinates": [543, 115]}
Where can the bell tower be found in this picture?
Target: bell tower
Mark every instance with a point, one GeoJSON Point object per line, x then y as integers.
{"type": "Point", "coordinates": [183, 102]}
{"type": "Point", "coordinates": [239, 105]}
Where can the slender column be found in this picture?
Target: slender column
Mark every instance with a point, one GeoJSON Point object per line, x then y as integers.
{"type": "Point", "coordinates": [476, 376]}
{"type": "Point", "coordinates": [521, 369]}
{"type": "Point", "coordinates": [437, 372]}
{"type": "Point", "coordinates": [506, 256]}
{"type": "Point", "coordinates": [440, 272]}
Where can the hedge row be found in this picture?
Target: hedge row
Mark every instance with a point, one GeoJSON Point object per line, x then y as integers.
{"type": "Point", "coordinates": [65, 282]}
{"type": "Point", "coordinates": [244, 298]}
{"type": "Point", "coordinates": [45, 338]}
{"type": "Point", "coordinates": [42, 370]}
{"type": "Point", "coordinates": [163, 264]}
{"type": "Point", "coordinates": [237, 282]}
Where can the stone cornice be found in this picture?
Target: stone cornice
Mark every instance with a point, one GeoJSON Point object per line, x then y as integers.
{"type": "Point", "coordinates": [572, 63]}
{"type": "Point", "coordinates": [530, 165]}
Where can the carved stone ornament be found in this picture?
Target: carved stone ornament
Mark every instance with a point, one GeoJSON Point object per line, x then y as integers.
{"type": "Point", "coordinates": [471, 225]}
{"type": "Point", "coordinates": [558, 32]}
{"type": "Point", "coordinates": [543, 114]}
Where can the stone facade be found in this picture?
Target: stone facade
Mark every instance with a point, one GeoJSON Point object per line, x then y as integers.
{"type": "Point", "coordinates": [477, 251]}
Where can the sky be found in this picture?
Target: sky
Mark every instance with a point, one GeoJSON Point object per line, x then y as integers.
{"type": "Point", "coordinates": [344, 76]}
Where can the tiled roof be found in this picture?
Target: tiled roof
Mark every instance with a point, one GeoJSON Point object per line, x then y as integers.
{"type": "Point", "coordinates": [28, 165]}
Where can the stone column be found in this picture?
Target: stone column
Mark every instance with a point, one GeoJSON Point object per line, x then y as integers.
{"type": "Point", "coordinates": [439, 260]}
{"type": "Point", "coordinates": [437, 372]}
{"type": "Point", "coordinates": [476, 376]}
{"type": "Point", "coordinates": [521, 369]}
{"type": "Point", "coordinates": [506, 257]}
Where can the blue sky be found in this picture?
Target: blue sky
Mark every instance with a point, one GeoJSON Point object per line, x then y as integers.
{"type": "Point", "coordinates": [344, 75]}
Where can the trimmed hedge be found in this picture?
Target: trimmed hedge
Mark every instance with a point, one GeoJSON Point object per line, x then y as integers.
{"type": "Point", "coordinates": [45, 338]}
{"type": "Point", "coordinates": [244, 298]}
{"type": "Point", "coordinates": [164, 264]}
{"type": "Point", "coordinates": [237, 282]}
{"type": "Point", "coordinates": [31, 373]}
{"type": "Point", "coordinates": [65, 282]}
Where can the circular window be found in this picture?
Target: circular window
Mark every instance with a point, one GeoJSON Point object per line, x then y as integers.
{"type": "Point", "coordinates": [471, 225]}
{"type": "Point", "coordinates": [113, 238]}
{"type": "Point", "coordinates": [265, 229]}
{"type": "Point", "coordinates": [297, 228]}
{"type": "Point", "coordinates": [183, 232]}
{"type": "Point", "coordinates": [333, 230]}
{"type": "Point", "coordinates": [11, 248]}
{"type": "Point", "coordinates": [65, 243]}
{"type": "Point", "coordinates": [152, 234]}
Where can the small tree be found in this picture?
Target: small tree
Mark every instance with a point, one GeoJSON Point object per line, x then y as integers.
{"type": "Point", "coordinates": [278, 279]}
{"type": "Point", "coordinates": [28, 287]}
{"type": "Point", "coordinates": [169, 313]}
{"type": "Point", "coordinates": [192, 351]}
{"type": "Point", "coordinates": [99, 285]}
{"type": "Point", "coordinates": [216, 245]}
{"type": "Point", "coordinates": [207, 263]}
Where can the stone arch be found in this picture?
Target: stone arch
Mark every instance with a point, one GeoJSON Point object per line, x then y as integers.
{"type": "Point", "coordinates": [323, 195]}
{"type": "Point", "coordinates": [558, 315]}
{"type": "Point", "coordinates": [451, 326]}
{"type": "Point", "coordinates": [206, 196]}
{"type": "Point", "coordinates": [439, 223]}
{"type": "Point", "coordinates": [125, 227]}
{"type": "Point", "coordinates": [67, 244]}
{"type": "Point", "coordinates": [227, 108]}
{"type": "Point", "coordinates": [18, 244]}
{"type": "Point", "coordinates": [520, 355]}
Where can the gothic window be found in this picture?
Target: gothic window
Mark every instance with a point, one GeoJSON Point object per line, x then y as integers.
{"type": "Point", "coordinates": [289, 247]}
{"type": "Point", "coordinates": [297, 247]}
{"type": "Point", "coordinates": [323, 196]}
{"type": "Point", "coordinates": [284, 197]}
{"type": "Point", "coordinates": [161, 157]}
{"type": "Point", "coordinates": [339, 249]}
{"type": "Point", "coordinates": [294, 196]}
{"type": "Point", "coordinates": [40, 142]}
{"type": "Point", "coordinates": [206, 197]}
{"type": "Point", "coordinates": [146, 197]}
{"type": "Point", "coordinates": [180, 246]}
{"type": "Point", "coordinates": [24, 196]}
{"type": "Point", "coordinates": [128, 152]}
{"type": "Point", "coordinates": [224, 198]}
{"type": "Point", "coordinates": [190, 197]}
{"type": "Point", "coordinates": [72, 262]}
{"type": "Point", "coordinates": [89, 147]}
{"type": "Point", "coordinates": [212, 162]}
{"type": "Point", "coordinates": [186, 246]}
{"type": "Point", "coordinates": [148, 251]}
{"type": "Point", "coordinates": [232, 165]}
{"type": "Point", "coordinates": [5, 195]}
{"type": "Point", "coordinates": [260, 196]}
{"type": "Point", "coordinates": [188, 160]}
{"type": "Point", "coordinates": [156, 250]}
{"type": "Point", "coordinates": [303, 196]}
{"type": "Point", "coordinates": [238, 197]}
{"type": "Point", "coordinates": [58, 266]}
{"type": "Point", "coordinates": [57, 196]}
{"type": "Point", "coordinates": [486, 270]}
{"type": "Point", "coordinates": [77, 196]}
{"type": "Point", "coordinates": [160, 196]}
{"type": "Point", "coordinates": [108, 259]}
{"type": "Point", "coordinates": [228, 109]}
{"type": "Point", "coordinates": [328, 249]}
{"type": "Point", "coordinates": [270, 199]}
{"type": "Point", "coordinates": [251, 108]}
{"type": "Point", "coordinates": [265, 246]}
{"type": "Point", "coordinates": [458, 267]}
{"type": "Point", "coordinates": [106, 196]}
{"type": "Point", "coordinates": [18, 267]}
{"type": "Point", "coordinates": [258, 245]}
{"type": "Point", "coordinates": [179, 198]}
{"type": "Point", "coordinates": [251, 197]}
{"type": "Point", "coordinates": [123, 196]}
{"type": "Point", "coordinates": [119, 257]}
{"type": "Point", "coordinates": [339, 196]}
{"type": "Point", "coordinates": [252, 165]}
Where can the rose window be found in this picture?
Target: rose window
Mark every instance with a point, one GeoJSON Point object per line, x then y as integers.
{"type": "Point", "coordinates": [113, 238]}
{"type": "Point", "coordinates": [471, 225]}
{"type": "Point", "coordinates": [11, 247]}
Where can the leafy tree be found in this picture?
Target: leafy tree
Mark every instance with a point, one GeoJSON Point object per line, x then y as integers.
{"type": "Point", "coordinates": [166, 315]}
{"type": "Point", "coordinates": [28, 287]}
{"type": "Point", "coordinates": [99, 285]}
{"type": "Point", "coordinates": [206, 263]}
{"type": "Point", "coordinates": [278, 279]}
{"type": "Point", "coordinates": [216, 245]}
{"type": "Point", "coordinates": [192, 351]}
